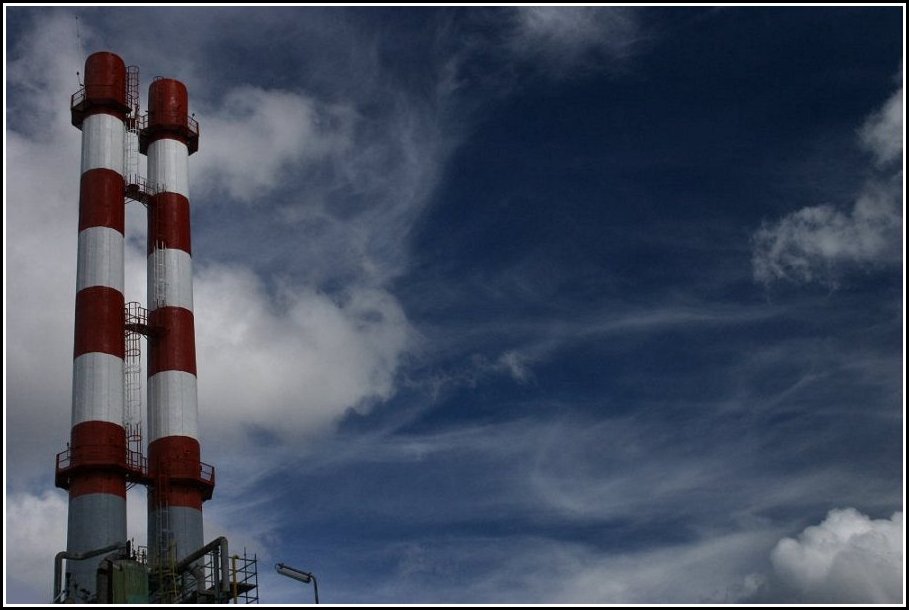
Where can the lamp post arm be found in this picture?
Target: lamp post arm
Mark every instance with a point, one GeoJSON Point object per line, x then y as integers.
{"type": "Point", "coordinates": [307, 577]}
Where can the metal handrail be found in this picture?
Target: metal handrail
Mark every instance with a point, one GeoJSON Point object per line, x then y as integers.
{"type": "Point", "coordinates": [112, 95]}
{"type": "Point", "coordinates": [192, 125]}
{"type": "Point", "coordinates": [135, 313]}
{"type": "Point", "coordinates": [133, 460]}
{"type": "Point", "coordinates": [77, 98]}
{"type": "Point", "coordinates": [137, 462]}
{"type": "Point", "coordinates": [206, 472]}
{"type": "Point", "coordinates": [64, 458]}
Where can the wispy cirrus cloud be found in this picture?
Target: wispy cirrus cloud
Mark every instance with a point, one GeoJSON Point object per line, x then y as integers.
{"type": "Point", "coordinates": [540, 570]}
{"type": "Point", "coordinates": [567, 490]}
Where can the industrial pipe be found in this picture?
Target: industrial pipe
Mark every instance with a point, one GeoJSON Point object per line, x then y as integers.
{"type": "Point", "coordinates": [234, 579]}
{"type": "Point", "coordinates": [221, 542]}
{"type": "Point", "coordinates": [59, 557]}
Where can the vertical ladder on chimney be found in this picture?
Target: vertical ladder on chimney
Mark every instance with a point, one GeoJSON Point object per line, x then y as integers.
{"type": "Point", "coordinates": [160, 264]}
{"type": "Point", "coordinates": [165, 555]}
{"type": "Point", "coordinates": [131, 145]}
{"type": "Point", "coordinates": [134, 314]}
{"type": "Point", "coordinates": [132, 386]}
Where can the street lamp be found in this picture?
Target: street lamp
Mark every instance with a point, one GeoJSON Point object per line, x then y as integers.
{"type": "Point", "coordinates": [300, 575]}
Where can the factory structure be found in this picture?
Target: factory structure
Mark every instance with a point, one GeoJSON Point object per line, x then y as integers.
{"type": "Point", "coordinates": [108, 454]}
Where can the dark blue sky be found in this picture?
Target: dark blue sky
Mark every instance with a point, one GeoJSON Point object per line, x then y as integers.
{"type": "Point", "coordinates": [507, 305]}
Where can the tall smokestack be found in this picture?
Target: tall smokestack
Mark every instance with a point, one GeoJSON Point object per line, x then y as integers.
{"type": "Point", "coordinates": [179, 482]}
{"type": "Point", "coordinates": [94, 467]}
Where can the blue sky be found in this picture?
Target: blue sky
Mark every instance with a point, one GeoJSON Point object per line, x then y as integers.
{"type": "Point", "coordinates": [503, 305]}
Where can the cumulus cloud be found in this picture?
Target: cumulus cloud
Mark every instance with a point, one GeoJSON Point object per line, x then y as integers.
{"type": "Point", "coordinates": [560, 37]}
{"type": "Point", "coordinates": [292, 365]}
{"type": "Point", "coordinates": [818, 243]}
{"type": "Point", "coordinates": [848, 558]}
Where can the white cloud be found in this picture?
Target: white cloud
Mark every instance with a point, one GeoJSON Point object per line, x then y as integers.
{"type": "Point", "coordinates": [882, 133]}
{"type": "Point", "coordinates": [257, 139]}
{"type": "Point", "coordinates": [348, 345]}
{"type": "Point", "coordinates": [42, 74]}
{"type": "Point", "coordinates": [560, 37]}
{"type": "Point", "coordinates": [293, 364]}
{"type": "Point", "coordinates": [41, 227]}
{"type": "Point", "coordinates": [817, 243]}
{"type": "Point", "coordinates": [37, 532]}
{"type": "Point", "coordinates": [848, 558]}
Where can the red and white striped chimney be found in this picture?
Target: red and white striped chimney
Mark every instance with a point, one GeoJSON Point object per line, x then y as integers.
{"type": "Point", "coordinates": [178, 483]}
{"type": "Point", "coordinates": [94, 468]}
